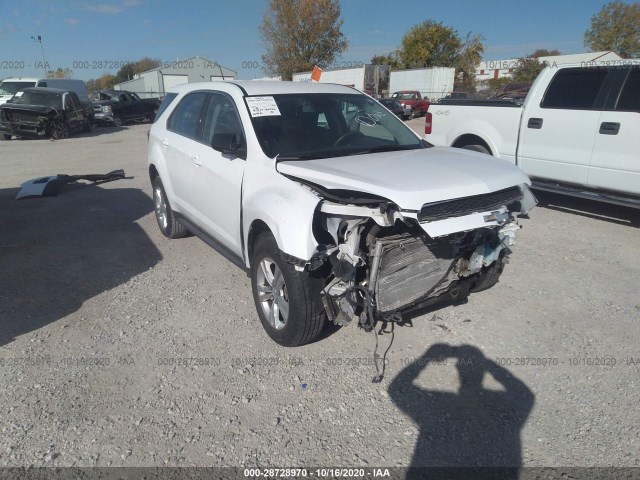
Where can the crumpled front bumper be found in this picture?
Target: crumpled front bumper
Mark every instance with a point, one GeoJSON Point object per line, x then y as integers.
{"type": "Point", "coordinates": [105, 118]}
{"type": "Point", "coordinates": [25, 129]}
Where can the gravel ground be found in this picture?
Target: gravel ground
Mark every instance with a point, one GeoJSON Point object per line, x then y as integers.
{"type": "Point", "coordinates": [119, 347]}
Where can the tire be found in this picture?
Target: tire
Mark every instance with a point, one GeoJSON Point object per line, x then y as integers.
{"type": "Point", "coordinates": [275, 284]}
{"type": "Point", "coordinates": [88, 126]}
{"type": "Point", "coordinates": [489, 276]}
{"type": "Point", "coordinates": [118, 121]}
{"type": "Point", "coordinates": [169, 225]}
{"type": "Point", "coordinates": [60, 131]}
{"type": "Point", "coordinates": [477, 148]}
{"type": "Point", "coordinates": [7, 136]}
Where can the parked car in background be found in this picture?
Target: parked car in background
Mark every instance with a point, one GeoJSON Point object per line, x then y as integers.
{"type": "Point", "coordinates": [40, 112]}
{"type": "Point", "coordinates": [413, 103]}
{"type": "Point", "coordinates": [339, 211]}
{"type": "Point", "coordinates": [116, 107]}
{"type": "Point", "coordinates": [577, 133]}
{"type": "Point", "coordinates": [10, 86]}
{"type": "Point", "coordinates": [394, 105]}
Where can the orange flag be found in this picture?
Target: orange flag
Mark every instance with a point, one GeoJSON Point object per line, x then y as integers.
{"type": "Point", "coordinates": [315, 75]}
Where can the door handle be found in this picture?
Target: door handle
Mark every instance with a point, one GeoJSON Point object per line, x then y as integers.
{"type": "Point", "coordinates": [535, 123]}
{"type": "Point", "coordinates": [165, 142]}
{"type": "Point", "coordinates": [609, 128]}
{"type": "Point", "coordinates": [196, 159]}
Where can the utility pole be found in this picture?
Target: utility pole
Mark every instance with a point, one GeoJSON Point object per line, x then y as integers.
{"type": "Point", "coordinates": [44, 62]}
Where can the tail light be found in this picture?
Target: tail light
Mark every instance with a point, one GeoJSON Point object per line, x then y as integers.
{"type": "Point", "coordinates": [428, 122]}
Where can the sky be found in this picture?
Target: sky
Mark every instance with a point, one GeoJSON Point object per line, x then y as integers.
{"type": "Point", "coordinates": [96, 38]}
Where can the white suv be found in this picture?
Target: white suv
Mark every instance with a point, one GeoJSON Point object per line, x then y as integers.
{"type": "Point", "coordinates": [336, 208]}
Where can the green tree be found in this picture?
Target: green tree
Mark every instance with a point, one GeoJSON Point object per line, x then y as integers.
{"type": "Point", "coordinates": [616, 27]}
{"type": "Point", "coordinates": [390, 59]}
{"type": "Point", "coordinates": [105, 82]}
{"type": "Point", "coordinates": [543, 52]}
{"type": "Point", "coordinates": [128, 70]}
{"type": "Point", "coordinates": [432, 44]}
{"type": "Point", "coordinates": [527, 70]}
{"type": "Point", "coordinates": [299, 34]}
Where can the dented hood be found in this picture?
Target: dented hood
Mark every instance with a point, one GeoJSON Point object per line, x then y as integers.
{"type": "Point", "coordinates": [410, 178]}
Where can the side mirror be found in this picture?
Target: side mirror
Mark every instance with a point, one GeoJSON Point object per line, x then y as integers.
{"type": "Point", "coordinates": [227, 143]}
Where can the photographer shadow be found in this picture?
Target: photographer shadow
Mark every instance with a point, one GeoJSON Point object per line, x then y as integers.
{"type": "Point", "coordinates": [473, 427]}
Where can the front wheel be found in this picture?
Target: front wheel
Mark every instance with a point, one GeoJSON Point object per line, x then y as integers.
{"type": "Point", "coordinates": [118, 121]}
{"type": "Point", "coordinates": [60, 131]}
{"type": "Point", "coordinates": [288, 302]}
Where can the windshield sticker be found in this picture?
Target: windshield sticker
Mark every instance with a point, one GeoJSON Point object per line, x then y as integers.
{"type": "Point", "coordinates": [369, 119]}
{"type": "Point", "coordinates": [262, 106]}
{"type": "Point", "coordinates": [19, 94]}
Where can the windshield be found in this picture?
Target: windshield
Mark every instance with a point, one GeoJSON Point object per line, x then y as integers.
{"type": "Point", "coordinates": [10, 88]}
{"type": "Point", "coordinates": [307, 126]}
{"type": "Point", "coordinates": [404, 95]}
{"type": "Point", "coordinates": [37, 98]}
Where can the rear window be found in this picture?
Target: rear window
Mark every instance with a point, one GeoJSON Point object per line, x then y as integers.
{"type": "Point", "coordinates": [168, 98]}
{"type": "Point", "coordinates": [629, 100]}
{"type": "Point", "coordinates": [574, 89]}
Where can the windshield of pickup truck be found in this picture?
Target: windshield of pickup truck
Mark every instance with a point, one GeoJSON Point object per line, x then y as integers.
{"type": "Point", "coordinates": [321, 125]}
{"type": "Point", "coordinates": [10, 88]}
{"type": "Point", "coordinates": [37, 98]}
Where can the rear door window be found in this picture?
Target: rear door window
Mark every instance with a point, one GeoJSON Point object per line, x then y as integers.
{"type": "Point", "coordinates": [186, 119]}
{"type": "Point", "coordinates": [629, 100]}
{"type": "Point", "coordinates": [166, 101]}
{"type": "Point", "coordinates": [575, 89]}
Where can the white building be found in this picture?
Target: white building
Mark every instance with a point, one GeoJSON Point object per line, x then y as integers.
{"type": "Point", "coordinates": [503, 68]}
{"type": "Point", "coordinates": [156, 81]}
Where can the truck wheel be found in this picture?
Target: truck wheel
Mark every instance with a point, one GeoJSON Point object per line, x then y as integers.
{"type": "Point", "coordinates": [169, 225]}
{"type": "Point", "coordinates": [489, 276]}
{"type": "Point", "coordinates": [288, 302]}
{"type": "Point", "coordinates": [7, 137]}
{"type": "Point", "coordinates": [60, 131]}
{"type": "Point", "coordinates": [477, 148]}
{"type": "Point", "coordinates": [88, 126]}
{"type": "Point", "coordinates": [118, 121]}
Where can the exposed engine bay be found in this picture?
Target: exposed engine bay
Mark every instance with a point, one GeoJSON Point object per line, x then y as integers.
{"type": "Point", "coordinates": [384, 264]}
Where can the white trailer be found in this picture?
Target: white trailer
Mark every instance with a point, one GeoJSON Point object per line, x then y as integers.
{"type": "Point", "coordinates": [433, 83]}
{"type": "Point", "coordinates": [371, 79]}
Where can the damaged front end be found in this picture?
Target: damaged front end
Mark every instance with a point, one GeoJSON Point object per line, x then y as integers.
{"type": "Point", "coordinates": [383, 262]}
{"type": "Point", "coordinates": [31, 121]}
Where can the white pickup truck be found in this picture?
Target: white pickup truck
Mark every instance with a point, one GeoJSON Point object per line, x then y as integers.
{"type": "Point", "coordinates": [577, 132]}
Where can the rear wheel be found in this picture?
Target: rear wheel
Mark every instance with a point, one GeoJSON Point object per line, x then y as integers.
{"type": "Point", "coordinates": [288, 302]}
{"type": "Point", "coordinates": [477, 148]}
{"type": "Point", "coordinates": [169, 225]}
{"type": "Point", "coordinates": [7, 137]}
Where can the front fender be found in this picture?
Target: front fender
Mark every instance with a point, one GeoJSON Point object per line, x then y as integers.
{"type": "Point", "coordinates": [286, 207]}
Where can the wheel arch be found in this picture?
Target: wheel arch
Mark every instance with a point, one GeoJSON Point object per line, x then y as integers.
{"type": "Point", "coordinates": [471, 139]}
